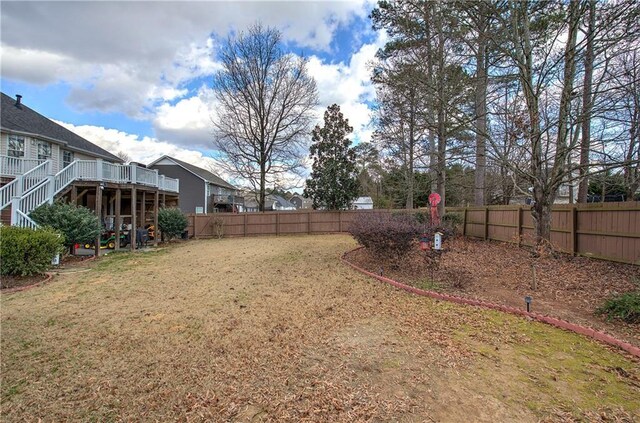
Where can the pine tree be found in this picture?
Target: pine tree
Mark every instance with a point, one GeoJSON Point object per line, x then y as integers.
{"type": "Point", "coordinates": [333, 184]}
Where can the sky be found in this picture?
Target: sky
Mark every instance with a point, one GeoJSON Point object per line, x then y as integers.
{"type": "Point", "coordinates": [136, 77]}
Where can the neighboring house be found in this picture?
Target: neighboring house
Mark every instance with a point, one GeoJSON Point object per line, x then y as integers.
{"type": "Point", "coordinates": [567, 194]}
{"type": "Point", "coordinates": [41, 161]}
{"type": "Point", "coordinates": [363, 203]}
{"type": "Point", "coordinates": [301, 202]}
{"type": "Point", "coordinates": [271, 203]}
{"type": "Point", "coordinates": [202, 191]}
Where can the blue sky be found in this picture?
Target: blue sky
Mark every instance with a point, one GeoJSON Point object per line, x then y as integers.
{"type": "Point", "coordinates": [136, 76]}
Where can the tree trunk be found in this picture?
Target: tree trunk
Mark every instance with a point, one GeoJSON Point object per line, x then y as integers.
{"type": "Point", "coordinates": [541, 213]}
{"type": "Point", "coordinates": [433, 160]}
{"type": "Point", "coordinates": [481, 108]}
{"type": "Point", "coordinates": [440, 102]}
{"type": "Point", "coordinates": [263, 188]}
{"type": "Point", "coordinates": [410, 185]}
{"type": "Point", "coordinates": [587, 102]}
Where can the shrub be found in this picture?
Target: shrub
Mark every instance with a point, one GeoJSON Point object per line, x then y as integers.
{"type": "Point", "coordinates": [78, 224]}
{"type": "Point", "coordinates": [218, 227]}
{"type": "Point", "coordinates": [391, 237]}
{"type": "Point", "coordinates": [386, 237]}
{"type": "Point", "coordinates": [171, 222]}
{"type": "Point", "coordinates": [26, 252]}
{"type": "Point", "coordinates": [625, 307]}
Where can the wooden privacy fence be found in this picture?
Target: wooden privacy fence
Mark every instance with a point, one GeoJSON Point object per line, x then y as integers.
{"type": "Point", "coordinates": [274, 223]}
{"type": "Point", "coordinates": [609, 231]}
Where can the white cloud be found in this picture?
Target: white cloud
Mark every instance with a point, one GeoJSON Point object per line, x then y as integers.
{"type": "Point", "coordinates": [349, 85]}
{"type": "Point", "coordinates": [42, 67]}
{"type": "Point", "coordinates": [130, 56]}
{"type": "Point", "coordinates": [188, 122]}
{"type": "Point", "coordinates": [142, 58]}
{"type": "Point", "coordinates": [142, 149]}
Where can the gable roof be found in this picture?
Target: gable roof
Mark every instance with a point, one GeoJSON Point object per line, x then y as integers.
{"type": "Point", "coordinates": [282, 201]}
{"type": "Point", "coordinates": [26, 121]}
{"type": "Point", "coordinates": [269, 200]}
{"type": "Point", "coordinates": [204, 174]}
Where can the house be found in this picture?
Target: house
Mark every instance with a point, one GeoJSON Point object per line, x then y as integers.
{"type": "Point", "coordinates": [271, 203]}
{"type": "Point", "coordinates": [41, 161]}
{"type": "Point", "coordinates": [202, 191]}
{"type": "Point", "coordinates": [32, 138]}
{"type": "Point", "coordinates": [363, 203]}
{"type": "Point", "coordinates": [301, 202]}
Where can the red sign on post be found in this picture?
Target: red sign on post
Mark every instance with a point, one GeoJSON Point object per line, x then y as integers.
{"type": "Point", "coordinates": [434, 200]}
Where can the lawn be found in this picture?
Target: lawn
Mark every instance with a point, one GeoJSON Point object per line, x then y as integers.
{"type": "Point", "coordinates": [278, 329]}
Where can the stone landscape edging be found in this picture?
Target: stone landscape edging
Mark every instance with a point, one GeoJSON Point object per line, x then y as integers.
{"type": "Point", "coordinates": [33, 285]}
{"type": "Point", "coordinates": [559, 323]}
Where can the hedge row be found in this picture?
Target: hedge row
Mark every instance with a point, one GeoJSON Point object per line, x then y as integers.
{"type": "Point", "coordinates": [26, 252]}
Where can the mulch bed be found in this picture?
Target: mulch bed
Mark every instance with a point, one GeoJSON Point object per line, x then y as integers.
{"type": "Point", "coordinates": [570, 288]}
{"type": "Point", "coordinates": [9, 283]}
{"type": "Point", "coordinates": [16, 283]}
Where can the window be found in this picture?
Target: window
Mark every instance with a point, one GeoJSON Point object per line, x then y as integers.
{"type": "Point", "coordinates": [44, 150]}
{"type": "Point", "coordinates": [16, 146]}
{"type": "Point", "coordinates": [67, 158]}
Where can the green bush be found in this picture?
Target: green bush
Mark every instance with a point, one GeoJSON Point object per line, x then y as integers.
{"type": "Point", "coordinates": [26, 252]}
{"type": "Point", "coordinates": [171, 222]}
{"type": "Point", "coordinates": [78, 224]}
{"type": "Point", "coordinates": [625, 307]}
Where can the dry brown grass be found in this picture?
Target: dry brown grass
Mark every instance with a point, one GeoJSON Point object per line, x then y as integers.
{"type": "Point", "coordinates": [277, 329]}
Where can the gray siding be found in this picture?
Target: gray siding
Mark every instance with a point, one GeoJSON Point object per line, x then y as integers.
{"type": "Point", "coordinates": [192, 188]}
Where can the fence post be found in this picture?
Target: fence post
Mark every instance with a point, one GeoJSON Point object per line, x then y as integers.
{"type": "Point", "coordinates": [245, 224]}
{"type": "Point", "coordinates": [277, 223]}
{"type": "Point", "coordinates": [195, 229]}
{"type": "Point", "coordinates": [309, 223]}
{"type": "Point", "coordinates": [340, 221]}
{"type": "Point", "coordinates": [464, 222]}
{"type": "Point", "coordinates": [486, 223]}
{"type": "Point", "coordinates": [519, 234]}
{"type": "Point", "coordinates": [574, 230]}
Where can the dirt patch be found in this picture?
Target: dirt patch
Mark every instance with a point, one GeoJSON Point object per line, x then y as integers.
{"type": "Point", "coordinates": [11, 282]}
{"type": "Point", "coordinates": [570, 288]}
{"type": "Point", "coordinates": [278, 329]}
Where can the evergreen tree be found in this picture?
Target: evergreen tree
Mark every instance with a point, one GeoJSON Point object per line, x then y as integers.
{"type": "Point", "coordinates": [333, 184]}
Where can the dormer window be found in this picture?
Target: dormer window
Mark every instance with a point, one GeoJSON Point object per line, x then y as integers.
{"type": "Point", "coordinates": [44, 150]}
{"type": "Point", "coordinates": [16, 146]}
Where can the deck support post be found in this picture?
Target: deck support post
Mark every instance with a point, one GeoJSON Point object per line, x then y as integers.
{"type": "Point", "coordinates": [117, 224]}
{"type": "Point", "coordinates": [134, 219]}
{"type": "Point", "coordinates": [98, 209]}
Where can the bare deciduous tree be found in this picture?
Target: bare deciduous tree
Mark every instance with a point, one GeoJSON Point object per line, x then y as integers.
{"type": "Point", "coordinates": [265, 103]}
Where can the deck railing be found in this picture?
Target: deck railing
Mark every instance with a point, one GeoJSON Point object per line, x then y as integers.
{"type": "Point", "coordinates": [11, 166]}
{"type": "Point", "coordinates": [24, 183]}
{"type": "Point", "coordinates": [145, 176]}
{"type": "Point", "coordinates": [38, 186]}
